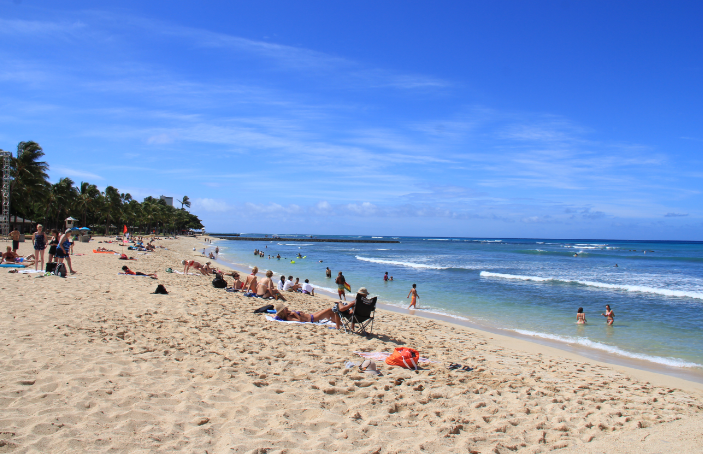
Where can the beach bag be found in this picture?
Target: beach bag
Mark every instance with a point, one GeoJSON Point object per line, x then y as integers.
{"type": "Point", "coordinates": [50, 267]}
{"type": "Point", "coordinates": [160, 290]}
{"type": "Point", "coordinates": [263, 309]}
{"type": "Point", "coordinates": [219, 281]}
{"type": "Point", "coordinates": [404, 357]}
{"type": "Point", "coordinates": [60, 270]}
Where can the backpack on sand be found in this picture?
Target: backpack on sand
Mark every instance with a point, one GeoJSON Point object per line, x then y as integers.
{"type": "Point", "coordinates": [404, 357]}
{"type": "Point", "coordinates": [60, 270]}
{"type": "Point", "coordinates": [219, 282]}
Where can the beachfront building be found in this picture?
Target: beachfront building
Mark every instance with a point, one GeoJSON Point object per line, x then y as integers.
{"type": "Point", "coordinates": [168, 200]}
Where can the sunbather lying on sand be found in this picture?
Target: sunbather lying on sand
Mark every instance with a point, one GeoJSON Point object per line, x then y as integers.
{"type": "Point", "coordinates": [12, 257]}
{"type": "Point", "coordinates": [102, 249]}
{"type": "Point", "coordinates": [126, 270]}
{"type": "Point", "coordinates": [283, 313]}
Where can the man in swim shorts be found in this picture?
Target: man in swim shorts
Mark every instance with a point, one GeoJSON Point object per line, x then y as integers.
{"type": "Point", "coordinates": [15, 235]}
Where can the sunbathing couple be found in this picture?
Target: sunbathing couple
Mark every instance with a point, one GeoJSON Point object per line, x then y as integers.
{"type": "Point", "coordinates": [13, 257]}
{"type": "Point", "coordinates": [335, 314]}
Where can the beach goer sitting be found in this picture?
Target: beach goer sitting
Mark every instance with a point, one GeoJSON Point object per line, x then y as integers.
{"type": "Point", "coordinates": [266, 289]}
{"type": "Point", "coordinates": [283, 313]}
{"type": "Point", "coordinates": [237, 284]}
{"type": "Point", "coordinates": [138, 273]}
{"type": "Point", "coordinates": [580, 316]}
{"type": "Point", "coordinates": [281, 283]}
{"type": "Point", "coordinates": [207, 269]}
{"type": "Point", "coordinates": [307, 288]}
{"type": "Point", "coordinates": [250, 284]}
{"type": "Point", "coordinates": [290, 286]}
{"type": "Point", "coordinates": [10, 256]}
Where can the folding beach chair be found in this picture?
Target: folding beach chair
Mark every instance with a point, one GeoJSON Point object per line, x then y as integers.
{"type": "Point", "coordinates": [359, 319]}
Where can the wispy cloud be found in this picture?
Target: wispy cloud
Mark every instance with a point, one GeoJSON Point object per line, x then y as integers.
{"type": "Point", "coordinates": [61, 171]}
{"type": "Point", "coordinates": [675, 215]}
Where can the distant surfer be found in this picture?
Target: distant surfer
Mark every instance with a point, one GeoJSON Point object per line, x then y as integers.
{"type": "Point", "coordinates": [616, 266]}
{"type": "Point", "coordinates": [576, 255]}
{"type": "Point", "coordinates": [415, 296]}
{"type": "Point", "coordinates": [609, 314]}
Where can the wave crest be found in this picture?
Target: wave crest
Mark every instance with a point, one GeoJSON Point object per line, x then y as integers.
{"type": "Point", "coordinates": [408, 264]}
{"type": "Point", "coordinates": [673, 362]}
{"type": "Point", "coordinates": [629, 288]}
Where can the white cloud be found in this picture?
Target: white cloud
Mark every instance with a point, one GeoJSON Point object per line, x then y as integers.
{"type": "Point", "coordinates": [210, 205]}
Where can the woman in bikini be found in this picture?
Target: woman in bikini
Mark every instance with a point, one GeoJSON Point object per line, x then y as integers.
{"type": "Point", "coordinates": [415, 296]}
{"type": "Point", "coordinates": [609, 314]}
{"type": "Point", "coordinates": [126, 270]}
{"type": "Point", "coordinates": [266, 289]}
{"type": "Point", "coordinates": [39, 239]}
{"type": "Point", "coordinates": [283, 313]}
{"type": "Point", "coordinates": [580, 317]}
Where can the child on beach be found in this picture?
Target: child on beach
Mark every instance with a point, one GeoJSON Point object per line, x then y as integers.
{"type": "Point", "coordinates": [415, 296]}
{"type": "Point", "coordinates": [580, 317]}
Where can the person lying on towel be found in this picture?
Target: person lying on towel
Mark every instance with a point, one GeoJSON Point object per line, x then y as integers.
{"type": "Point", "coordinates": [284, 314]}
{"type": "Point", "coordinates": [126, 270]}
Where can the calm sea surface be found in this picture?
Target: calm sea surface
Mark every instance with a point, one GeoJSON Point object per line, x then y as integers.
{"type": "Point", "coordinates": [532, 287]}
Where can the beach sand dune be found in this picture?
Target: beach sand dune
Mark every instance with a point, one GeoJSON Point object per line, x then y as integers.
{"type": "Point", "coordinates": [97, 363]}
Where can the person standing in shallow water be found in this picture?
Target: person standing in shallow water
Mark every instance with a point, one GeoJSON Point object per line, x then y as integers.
{"type": "Point", "coordinates": [415, 296]}
{"type": "Point", "coordinates": [340, 281]}
{"type": "Point", "coordinates": [328, 271]}
{"type": "Point", "coordinates": [580, 316]}
{"type": "Point", "coordinates": [609, 314]}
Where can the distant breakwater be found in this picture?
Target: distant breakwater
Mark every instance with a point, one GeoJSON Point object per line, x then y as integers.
{"type": "Point", "coordinates": [301, 240]}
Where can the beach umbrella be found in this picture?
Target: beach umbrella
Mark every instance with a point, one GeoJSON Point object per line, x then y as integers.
{"type": "Point", "coordinates": [84, 228]}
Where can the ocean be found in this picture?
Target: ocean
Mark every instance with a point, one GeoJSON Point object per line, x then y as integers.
{"type": "Point", "coordinates": [523, 287]}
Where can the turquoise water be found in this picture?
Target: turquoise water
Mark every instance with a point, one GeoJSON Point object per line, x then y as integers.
{"type": "Point", "coordinates": [531, 287]}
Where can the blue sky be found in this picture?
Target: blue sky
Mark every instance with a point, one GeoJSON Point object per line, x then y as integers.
{"type": "Point", "coordinates": [557, 119]}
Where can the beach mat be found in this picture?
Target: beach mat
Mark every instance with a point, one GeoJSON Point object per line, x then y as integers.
{"type": "Point", "coordinates": [11, 265]}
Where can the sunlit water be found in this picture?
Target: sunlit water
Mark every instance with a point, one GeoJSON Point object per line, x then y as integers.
{"type": "Point", "coordinates": [532, 287]}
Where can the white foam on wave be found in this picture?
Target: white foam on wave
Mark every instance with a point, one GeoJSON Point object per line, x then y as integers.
{"type": "Point", "coordinates": [629, 288]}
{"type": "Point", "coordinates": [673, 362]}
{"type": "Point", "coordinates": [376, 237]}
{"type": "Point", "coordinates": [395, 262]}
{"type": "Point", "coordinates": [383, 249]}
{"type": "Point", "coordinates": [437, 239]}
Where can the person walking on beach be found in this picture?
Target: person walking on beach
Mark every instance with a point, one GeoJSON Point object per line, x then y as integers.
{"type": "Point", "coordinates": [415, 296]}
{"type": "Point", "coordinates": [39, 239]}
{"type": "Point", "coordinates": [340, 281]}
{"type": "Point", "coordinates": [63, 249]}
{"type": "Point", "coordinates": [15, 235]}
{"type": "Point", "coordinates": [580, 317]}
{"type": "Point", "coordinates": [217, 251]}
{"type": "Point", "coordinates": [609, 314]}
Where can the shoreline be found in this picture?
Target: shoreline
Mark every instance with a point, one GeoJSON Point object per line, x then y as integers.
{"type": "Point", "coordinates": [689, 378]}
{"type": "Point", "coordinates": [97, 362]}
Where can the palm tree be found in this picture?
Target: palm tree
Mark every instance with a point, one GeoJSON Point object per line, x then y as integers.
{"type": "Point", "coordinates": [112, 206]}
{"type": "Point", "coordinates": [29, 177]}
{"type": "Point", "coordinates": [185, 201]}
{"type": "Point", "coordinates": [87, 196]}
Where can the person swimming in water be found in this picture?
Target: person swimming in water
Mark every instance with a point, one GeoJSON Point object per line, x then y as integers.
{"type": "Point", "coordinates": [609, 314]}
{"type": "Point", "coordinates": [580, 317]}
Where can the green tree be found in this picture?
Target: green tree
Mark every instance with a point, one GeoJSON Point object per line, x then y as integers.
{"type": "Point", "coordinates": [185, 202]}
{"type": "Point", "coordinates": [30, 182]}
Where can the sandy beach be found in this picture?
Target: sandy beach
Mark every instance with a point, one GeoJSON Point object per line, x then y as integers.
{"type": "Point", "coordinates": [97, 363]}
